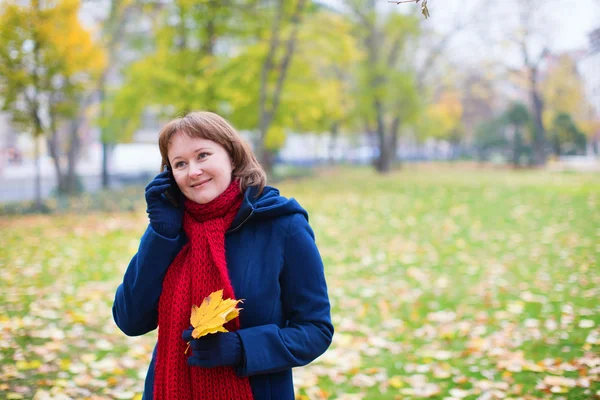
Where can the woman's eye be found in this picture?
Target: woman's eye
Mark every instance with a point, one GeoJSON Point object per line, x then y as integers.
{"type": "Point", "coordinates": [203, 155]}
{"type": "Point", "coordinates": [179, 164]}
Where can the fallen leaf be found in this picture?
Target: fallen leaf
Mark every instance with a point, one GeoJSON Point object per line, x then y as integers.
{"type": "Point", "coordinates": [396, 382]}
{"type": "Point", "coordinates": [559, 381]}
{"type": "Point", "coordinates": [212, 314]}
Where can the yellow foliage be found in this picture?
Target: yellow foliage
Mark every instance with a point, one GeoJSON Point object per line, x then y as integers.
{"type": "Point", "coordinates": [212, 314]}
{"type": "Point", "coordinates": [275, 138]}
{"type": "Point", "coordinates": [396, 382]}
{"type": "Point", "coordinates": [65, 47]}
{"type": "Point", "coordinates": [444, 116]}
{"type": "Point", "coordinates": [563, 93]}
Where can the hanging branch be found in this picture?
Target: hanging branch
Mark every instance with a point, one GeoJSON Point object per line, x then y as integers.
{"type": "Point", "coordinates": [424, 9]}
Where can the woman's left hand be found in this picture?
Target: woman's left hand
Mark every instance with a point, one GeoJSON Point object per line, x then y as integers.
{"type": "Point", "coordinates": [214, 350]}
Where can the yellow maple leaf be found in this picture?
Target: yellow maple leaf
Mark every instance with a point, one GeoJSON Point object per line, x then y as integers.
{"type": "Point", "coordinates": [212, 314]}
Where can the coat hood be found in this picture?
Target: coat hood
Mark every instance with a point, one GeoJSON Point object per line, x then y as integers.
{"type": "Point", "coordinates": [268, 205]}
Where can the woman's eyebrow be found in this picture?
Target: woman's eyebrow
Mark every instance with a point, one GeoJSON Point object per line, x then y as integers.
{"type": "Point", "coordinates": [195, 152]}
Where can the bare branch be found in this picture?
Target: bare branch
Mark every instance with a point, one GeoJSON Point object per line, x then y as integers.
{"type": "Point", "coordinates": [441, 45]}
{"type": "Point", "coordinates": [424, 9]}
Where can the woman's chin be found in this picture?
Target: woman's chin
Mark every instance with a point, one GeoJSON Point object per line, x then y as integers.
{"type": "Point", "coordinates": [201, 198]}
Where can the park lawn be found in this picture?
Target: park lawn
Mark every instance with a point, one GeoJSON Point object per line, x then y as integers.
{"type": "Point", "coordinates": [445, 283]}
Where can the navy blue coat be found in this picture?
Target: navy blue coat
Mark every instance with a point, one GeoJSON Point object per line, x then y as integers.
{"type": "Point", "coordinates": [274, 265]}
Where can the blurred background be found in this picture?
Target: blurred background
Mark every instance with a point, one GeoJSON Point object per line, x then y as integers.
{"type": "Point", "coordinates": [85, 86]}
{"type": "Point", "coordinates": [450, 166]}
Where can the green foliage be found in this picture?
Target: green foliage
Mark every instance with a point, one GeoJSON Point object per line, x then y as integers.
{"type": "Point", "coordinates": [490, 138]}
{"type": "Point", "coordinates": [183, 71]}
{"type": "Point", "coordinates": [509, 136]}
{"type": "Point", "coordinates": [517, 115]}
{"type": "Point", "coordinates": [566, 137]}
{"type": "Point", "coordinates": [386, 87]}
{"type": "Point", "coordinates": [319, 84]}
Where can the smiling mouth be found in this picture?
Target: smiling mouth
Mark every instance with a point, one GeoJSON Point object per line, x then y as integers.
{"type": "Point", "coordinates": [200, 183]}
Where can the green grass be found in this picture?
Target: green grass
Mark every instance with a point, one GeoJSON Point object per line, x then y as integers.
{"type": "Point", "coordinates": [440, 279]}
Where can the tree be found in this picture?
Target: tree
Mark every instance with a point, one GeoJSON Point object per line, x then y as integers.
{"type": "Point", "coordinates": [442, 119]}
{"type": "Point", "coordinates": [526, 32]}
{"type": "Point", "coordinates": [274, 70]}
{"type": "Point", "coordinates": [113, 28]}
{"type": "Point", "coordinates": [182, 70]}
{"type": "Point", "coordinates": [433, 44]}
{"type": "Point", "coordinates": [490, 138]}
{"type": "Point", "coordinates": [186, 70]}
{"type": "Point", "coordinates": [517, 116]}
{"type": "Point", "coordinates": [315, 94]}
{"type": "Point", "coordinates": [321, 80]}
{"type": "Point", "coordinates": [566, 137]}
{"type": "Point", "coordinates": [563, 92]}
{"type": "Point", "coordinates": [43, 81]}
{"type": "Point", "coordinates": [478, 98]}
{"type": "Point", "coordinates": [387, 90]}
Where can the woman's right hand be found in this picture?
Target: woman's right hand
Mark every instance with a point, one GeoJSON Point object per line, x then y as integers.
{"type": "Point", "coordinates": [165, 219]}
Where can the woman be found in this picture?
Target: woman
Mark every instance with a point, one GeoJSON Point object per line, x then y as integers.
{"type": "Point", "coordinates": [229, 231]}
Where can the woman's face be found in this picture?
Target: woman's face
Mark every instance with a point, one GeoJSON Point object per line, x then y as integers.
{"type": "Point", "coordinates": [202, 168]}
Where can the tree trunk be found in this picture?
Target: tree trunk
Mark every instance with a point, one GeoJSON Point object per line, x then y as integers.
{"type": "Point", "coordinates": [55, 155]}
{"type": "Point", "coordinates": [269, 100]}
{"type": "Point", "coordinates": [383, 163]}
{"type": "Point", "coordinates": [517, 147]}
{"type": "Point", "coordinates": [555, 142]}
{"type": "Point", "coordinates": [38, 174]}
{"type": "Point", "coordinates": [591, 147]}
{"type": "Point", "coordinates": [268, 161]}
{"type": "Point", "coordinates": [72, 158]}
{"type": "Point", "coordinates": [539, 134]}
{"type": "Point", "coordinates": [333, 142]}
{"type": "Point", "coordinates": [394, 129]}
{"type": "Point", "coordinates": [106, 150]}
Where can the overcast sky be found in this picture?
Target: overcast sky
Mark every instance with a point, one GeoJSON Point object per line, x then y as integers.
{"type": "Point", "coordinates": [572, 20]}
{"type": "Point", "coordinates": [566, 26]}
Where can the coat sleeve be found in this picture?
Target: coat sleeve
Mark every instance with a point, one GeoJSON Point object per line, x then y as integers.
{"type": "Point", "coordinates": [308, 332]}
{"type": "Point", "coordinates": [135, 309]}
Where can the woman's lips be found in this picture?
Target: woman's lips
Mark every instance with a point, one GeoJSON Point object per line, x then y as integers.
{"type": "Point", "coordinates": [196, 185]}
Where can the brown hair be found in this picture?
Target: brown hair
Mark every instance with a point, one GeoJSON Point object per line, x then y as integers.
{"type": "Point", "coordinates": [210, 126]}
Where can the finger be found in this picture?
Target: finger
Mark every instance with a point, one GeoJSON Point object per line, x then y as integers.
{"type": "Point", "coordinates": [200, 354]}
{"type": "Point", "coordinates": [187, 335]}
{"type": "Point", "coordinates": [158, 182]}
{"type": "Point", "coordinates": [199, 345]}
{"type": "Point", "coordinates": [162, 175]}
{"type": "Point", "coordinates": [157, 190]}
{"type": "Point", "coordinates": [206, 342]}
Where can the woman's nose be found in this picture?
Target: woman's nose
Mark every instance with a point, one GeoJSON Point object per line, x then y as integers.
{"type": "Point", "coordinates": [195, 171]}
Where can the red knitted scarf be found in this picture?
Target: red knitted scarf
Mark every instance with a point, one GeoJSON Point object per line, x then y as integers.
{"type": "Point", "coordinates": [199, 269]}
